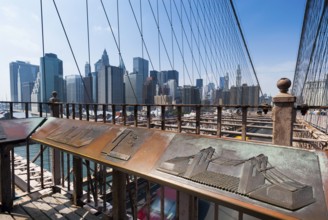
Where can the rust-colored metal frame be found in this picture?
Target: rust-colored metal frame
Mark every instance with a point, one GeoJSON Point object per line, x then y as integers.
{"type": "Point", "coordinates": [156, 143]}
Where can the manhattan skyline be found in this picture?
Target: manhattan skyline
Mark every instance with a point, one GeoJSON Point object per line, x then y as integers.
{"type": "Point", "coordinates": [272, 30]}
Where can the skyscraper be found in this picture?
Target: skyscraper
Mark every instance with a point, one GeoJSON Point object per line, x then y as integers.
{"type": "Point", "coordinates": [134, 88]}
{"type": "Point", "coordinates": [51, 77]}
{"type": "Point", "coordinates": [110, 85]}
{"type": "Point", "coordinates": [87, 69]}
{"type": "Point", "coordinates": [222, 82]}
{"type": "Point", "coordinates": [199, 83]}
{"type": "Point", "coordinates": [173, 87]}
{"type": "Point", "coordinates": [141, 66]}
{"type": "Point", "coordinates": [104, 61]}
{"type": "Point", "coordinates": [21, 74]}
{"type": "Point", "coordinates": [74, 89]}
{"type": "Point", "coordinates": [100, 65]}
{"type": "Point", "coordinates": [149, 90]}
{"type": "Point", "coordinates": [238, 77]}
{"type": "Point", "coordinates": [190, 95]}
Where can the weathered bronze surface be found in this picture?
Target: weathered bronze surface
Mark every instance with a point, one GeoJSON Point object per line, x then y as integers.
{"type": "Point", "coordinates": [257, 178]}
{"type": "Point", "coordinates": [152, 148]}
{"type": "Point", "coordinates": [17, 130]}
{"type": "Point", "coordinates": [77, 136]}
{"type": "Point", "coordinates": [13, 131]}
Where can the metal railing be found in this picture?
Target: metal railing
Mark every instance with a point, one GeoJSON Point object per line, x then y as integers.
{"type": "Point", "coordinates": [205, 120]}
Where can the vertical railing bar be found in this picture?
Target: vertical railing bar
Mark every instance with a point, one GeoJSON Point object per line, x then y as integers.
{"type": "Point", "coordinates": [87, 111]}
{"type": "Point", "coordinates": [198, 119]}
{"type": "Point", "coordinates": [68, 171]}
{"type": "Point", "coordinates": [135, 116]}
{"type": "Point", "coordinates": [41, 164]}
{"type": "Point", "coordinates": [148, 116]}
{"type": "Point", "coordinates": [104, 186]}
{"type": "Point", "coordinates": [95, 109]}
{"type": "Point", "coordinates": [124, 114]}
{"type": "Point", "coordinates": [177, 199]}
{"type": "Point", "coordinates": [195, 203]}
{"type": "Point", "coordinates": [28, 166]}
{"type": "Point", "coordinates": [240, 215]}
{"type": "Point", "coordinates": [61, 111]}
{"type": "Point", "coordinates": [62, 168]}
{"type": "Point", "coordinates": [73, 110]}
{"type": "Point", "coordinates": [11, 110]}
{"type": "Point", "coordinates": [179, 119]}
{"type": "Point", "coordinates": [26, 109]}
{"type": "Point", "coordinates": [40, 110]}
{"type": "Point", "coordinates": [162, 202]}
{"type": "Point", "coordinates": [95, 196]}
{"type": "Point", "coordinates": [80, 112]}
{"type": "Point", "coordinates": [87, 162]}
{"type": "Point", "coordinates": [244, 123]}
{"type": "Point", "coordinates": [135, 202]}
{"type": "Point", "coordinates": [113, 114]}
{"type": "Point", "coordinates": [163, 117]}
{"type": "Point", "coordinates": [104, 108]}
{"type": "Point", "coordinates": [148, 199]}
{"type": "Point", "coordinates": [67, 110]}
{"type": "Point", "coordinates": [216, 211]}
{"type": "Point", "coordinates": [13, 172]}
{"type": "Point", "coordinates": [219, 121]}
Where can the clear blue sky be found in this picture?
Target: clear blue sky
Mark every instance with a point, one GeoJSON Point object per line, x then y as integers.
{"type": "Point", "coordinates": [272, 29]}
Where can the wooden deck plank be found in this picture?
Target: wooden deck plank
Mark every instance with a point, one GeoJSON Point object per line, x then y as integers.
{"type": "Point", "coordinates": [62, 209]}
{"type": "Point", "coordinates": [19, 214]}
{"type": "Point", "coordinates": [48, 210]}
{"type": "Point", "coordinates": [33, 211]}
{"type": "Point", "coordinates": [84, 214]}
{"type": "Point", "coordinates": [5, 216]}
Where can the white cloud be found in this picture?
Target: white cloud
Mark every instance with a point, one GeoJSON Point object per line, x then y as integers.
{"type": "Point", "coordinates": [99, 28]}
{"type": "Point", "coordinates": [9, 12]}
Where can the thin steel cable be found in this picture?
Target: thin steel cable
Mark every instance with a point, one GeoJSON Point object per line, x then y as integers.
{"type": "Point", "coordinates": [117, 47]}
{"type": "Point", "coordinates": [71, 49]}
{"type": "Point", "coordinates": [43, 53]}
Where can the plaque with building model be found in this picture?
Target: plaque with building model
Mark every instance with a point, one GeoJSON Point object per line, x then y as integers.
{"type": "Point", "coordinates": [256, 177]}
{"type": "Point", "coordinates": [125, 144]}
{"type": "Point", "coordinates": [77, 136]}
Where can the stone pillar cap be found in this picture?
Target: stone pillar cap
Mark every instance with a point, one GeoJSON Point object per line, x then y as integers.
{"type": "Point", "coordinates": [283, 85]}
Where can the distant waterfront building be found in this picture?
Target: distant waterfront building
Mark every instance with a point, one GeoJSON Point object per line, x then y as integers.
{"type": "Point", "coordinates": [51, 77]}
{"type": "Point", "coordinates": [74, 89]}
{"type": "Point", "coordinates": [21, 74]}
